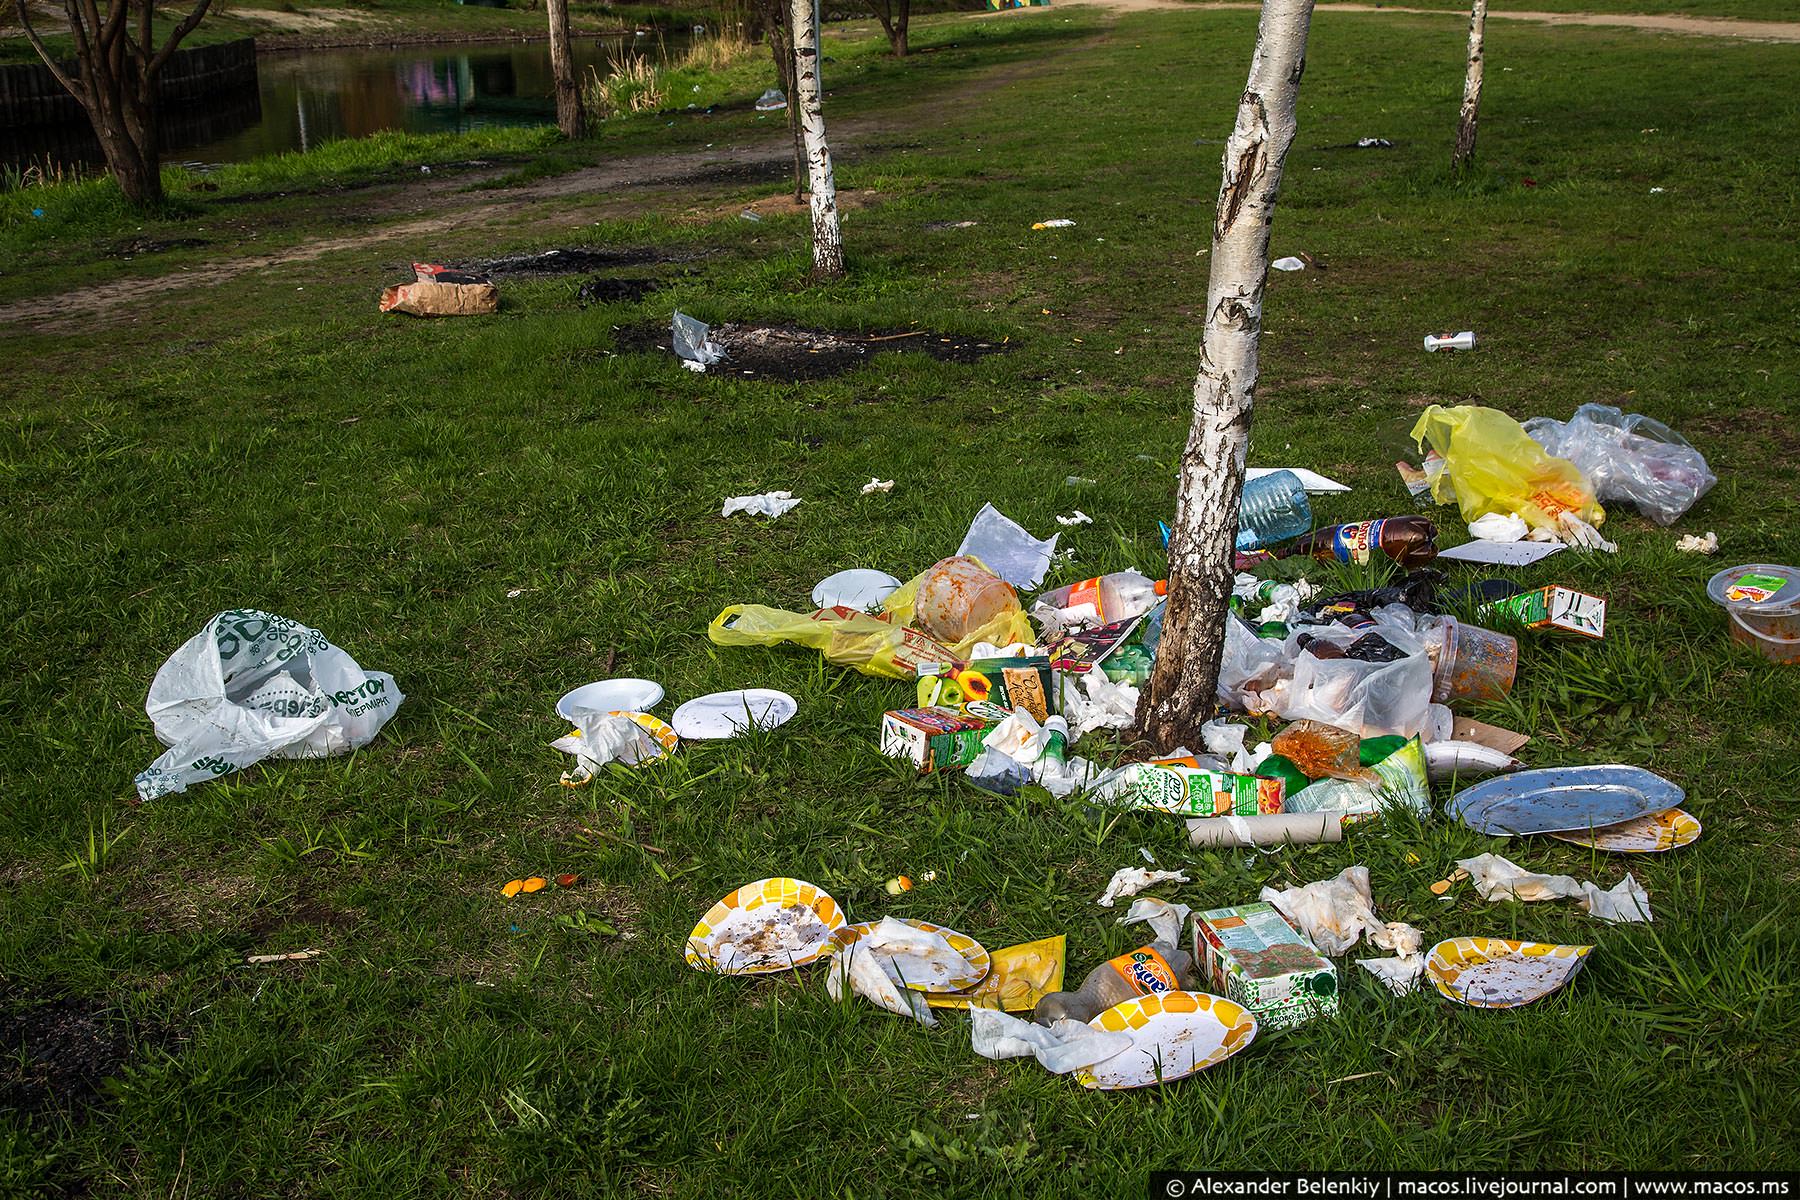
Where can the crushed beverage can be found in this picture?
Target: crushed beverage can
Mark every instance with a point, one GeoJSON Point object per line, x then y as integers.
{"type": "Point", "coordinates": [1450, 341]}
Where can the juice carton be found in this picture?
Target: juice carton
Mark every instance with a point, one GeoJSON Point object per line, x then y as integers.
{"type": "Point", "coordinates": [1250, 954]}
{"type": "Point", "coordinates": [1554, 607]}
{"type": "Point", "coordinates": [1008, 682]}
{"type": "Point", "coordinates": [1186, 789]}
{"type": "Point", "coordinates": [937, 738]}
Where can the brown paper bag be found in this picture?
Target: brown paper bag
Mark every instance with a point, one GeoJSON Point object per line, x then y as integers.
{"type": "Point", "coordinates": [441, 299]}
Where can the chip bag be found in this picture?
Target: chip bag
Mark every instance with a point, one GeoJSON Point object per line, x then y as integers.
{"type": "Point", "coordinates": [1491, 465]}
{"type": "Point", "coordinates": [1021, 976]}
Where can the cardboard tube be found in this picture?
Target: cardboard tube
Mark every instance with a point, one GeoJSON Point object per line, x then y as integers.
{"type": "Point", "coordinates": [1267, 829]}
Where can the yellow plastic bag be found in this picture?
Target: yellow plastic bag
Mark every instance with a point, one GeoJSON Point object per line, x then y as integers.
{"type": "Point", "coordinates": [1491, 465]}
{"type": "Point", "coordinates": [873, 645]}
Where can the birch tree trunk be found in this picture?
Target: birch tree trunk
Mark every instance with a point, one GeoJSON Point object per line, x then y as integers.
{"type": "Point", "coordinates": [1464, 158]}
{"type": "Point", "coordinates": [1182, 693]}
{"type": "Point", "coordinates": [570, 118]}
{"type": "Point", "coordinates": [827, 241]}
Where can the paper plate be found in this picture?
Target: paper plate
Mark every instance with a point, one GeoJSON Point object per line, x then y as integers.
{"type": "Point", "coordinates": [1562, 799]}
{"type": "Point", "coordinates": [727, 714]}
{"type": "Point", "coordinates": [607, 695]}
{"type": "Point", "coordinates": [858, 588]}
{"type": "Point", "coordinates": [980, 962]}
{"type": "Point", "coordinates": [1653, 834]}
{"type": "Point", "coordinates": [1494, 973]}
{"type": "Point", "coordinates": [763, 927]}
{"type": "Point", "coordinates": [1176, 1034]}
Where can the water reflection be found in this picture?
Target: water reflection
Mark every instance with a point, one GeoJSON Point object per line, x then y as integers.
{"type": "Point", "coordinates": [304, 99]}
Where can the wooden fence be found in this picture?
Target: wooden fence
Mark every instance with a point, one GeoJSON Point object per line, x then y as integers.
{"type": "Point", "coordinates": [30, 94]}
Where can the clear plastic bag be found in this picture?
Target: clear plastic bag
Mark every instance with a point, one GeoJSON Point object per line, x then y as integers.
{"type": "Point", "coordinates": [250, 686]}
{"type": "Point", "coordinates": [1367, 698]}
{"type": "Point", "coordinates": [693, 341]}
{"type": "Point", "coordinates": [1491, 465]}
{"type": "Point", "coordinates": [1629, 457]}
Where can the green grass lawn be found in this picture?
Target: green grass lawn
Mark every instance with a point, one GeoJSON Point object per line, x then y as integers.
{"type": "Point", "coordinates": [493, 509]}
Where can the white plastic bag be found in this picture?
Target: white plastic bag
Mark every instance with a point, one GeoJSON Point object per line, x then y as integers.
{"type": "Point", "coordinates": [1628, 456]}
{"type": "Point", "coordinates": [250, 686]}
{"type": "Point", "coordinates": [1368, 698]}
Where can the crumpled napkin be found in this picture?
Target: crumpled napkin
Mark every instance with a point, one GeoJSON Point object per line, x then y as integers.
{"type": "Point", "coordinates": [602, 738]}
{"type": "Point", "coordinates": [1066, 1045]}
{"type": "Point", "coordinates": [1018, 746]}
{"type": "Point", "coordinates": [1577, 532]}
{"type": "Point", "coordinates": [1336, 913]}
{"type": "Point", "coordinates": [1499, 527]}
{"type": "Point", "coordinates": [1690, 544]}
{"type": "Point", "coordinates": [1497, 878]}
{"type": "Point", "coordinates": [1075, 518]}
{"type": "Point", "coordinates": [1107, 705]}
{"type": "Point", "coordinates": [878, 965]}
{"type": "Point", "coordinates": [1129, 881]}
{"type": "Point", "coordinates": [877, 485]}
{"type": "Point", "coordinates": [1400, 975]}
{"type": "Point", "coordinates": [1166, 920]}
{"type": "Point", "coordinates": [765, 504]}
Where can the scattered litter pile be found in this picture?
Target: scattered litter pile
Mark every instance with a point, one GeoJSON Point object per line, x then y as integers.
{"type": "Point", "coordinates": [1356, 693]}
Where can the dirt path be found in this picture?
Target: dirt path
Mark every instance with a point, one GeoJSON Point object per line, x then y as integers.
{"type": "Point", "coordinates": [1753, 31]}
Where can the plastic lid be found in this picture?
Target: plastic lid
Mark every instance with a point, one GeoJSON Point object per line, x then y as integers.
{"type": "Point", "coordinates": [1756, 587]}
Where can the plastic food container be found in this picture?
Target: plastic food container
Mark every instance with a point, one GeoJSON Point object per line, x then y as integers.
{"type": "Point", "coordinates": [959, 596]}
{"type": "Point", "coordinates": [1473, 663]}
{"type": "Point", "coordinates": [1762, 601]}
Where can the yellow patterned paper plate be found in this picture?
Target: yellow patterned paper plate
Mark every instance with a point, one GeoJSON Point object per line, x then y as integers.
{"type": "Point", "coordinates": [763, 927]}
{"type": "Point", "coordinates": [980, 961]}
{"type": "Point", "coordinates": [1495, 973]}
{"type": "Point", "coordinates": [1668, 830]}
{"type": "Point", "coordinates": [1175, 1034]}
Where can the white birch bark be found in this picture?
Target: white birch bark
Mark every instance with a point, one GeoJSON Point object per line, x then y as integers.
{"type": "Point", "coordinates": [1464, 157]}
{"type": "Point", "coordinates": [827, 241]}
{"type": "Point", "coordinates": [1182, 691]}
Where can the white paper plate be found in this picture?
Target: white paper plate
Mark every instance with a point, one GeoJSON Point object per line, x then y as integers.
{"type": "Point", "coordinates": [770, 925]}
{"type": "Point", "coordinates": [1175, 1034]}
{"type": "Point", "coordinates": [1485, 972]}
{"type": "Point", "coordinates": [610, 695]}
{"type": "Point", "coordinates": [980, 961]}
{"type": "Point", "coordinates": [858, 588]}
{"type": "Point", "coordinates": [727, 714]}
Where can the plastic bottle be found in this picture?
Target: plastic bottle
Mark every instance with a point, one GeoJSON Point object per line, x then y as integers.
{"type": "Point", "coordinates": [1146, 971]}
{"type": "Point", "coordinates": [1103, 600]}
{"type": "Point", "coordinates": [1273, 509]}
{"type": "Point", "coordinates": [1409, 541]}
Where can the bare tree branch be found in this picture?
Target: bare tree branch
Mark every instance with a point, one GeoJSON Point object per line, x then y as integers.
{"type": "Point", "coordinates": [37, 43]}
{"type": "Point", "coordinates": [182, 30]}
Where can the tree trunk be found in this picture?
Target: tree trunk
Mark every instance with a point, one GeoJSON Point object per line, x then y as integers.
{"type": "Point", "coordinates": [893, 16]}
{"type": "Point", "coordinates": [570, 117]}
{"type": "Point", "coordinates": [1464, 157]}
{"type": "Point", "coordinates": [1183, 688]}
{"type": "Point", "coordinates": [827, 241]}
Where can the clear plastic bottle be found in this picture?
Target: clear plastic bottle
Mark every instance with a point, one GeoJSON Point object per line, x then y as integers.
{"type": "Point", "coordinates": [1274, 508]}
{"type": "Point", "coordinates": [1146, 971]}
{"type": "Point", "coordinates": [1103, 600]}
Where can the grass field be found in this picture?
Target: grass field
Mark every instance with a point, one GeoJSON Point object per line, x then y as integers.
{"type": "Point", "coordinates": [495, 508]}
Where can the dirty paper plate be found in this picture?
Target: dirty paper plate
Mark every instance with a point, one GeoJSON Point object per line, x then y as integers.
{"type": "Point", "coordinates": [1653, 834]}
{"type": "Point", "coordinates": [1561, 799]}
{"type": "Point", "coordinates": [858, 588]}
{"type": "Point", "coordinates": [763, 927]}
{"type": "Point", "coordinates": [1494, 973]}
{"type": "Point", "coordinates": [610, 695]}
{"type": "Point", "coordinates": [980, 962]}
{"type": "Point", "coordinates": [1175, 1034]}
{"type": "Point", "coordinates": [727, 714]}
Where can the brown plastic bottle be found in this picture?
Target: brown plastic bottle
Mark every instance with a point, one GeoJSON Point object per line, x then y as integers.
{"type": "Point", "coordinates": [1409, 541]}
{"type": "Point", "coordinates": [1148, 970]}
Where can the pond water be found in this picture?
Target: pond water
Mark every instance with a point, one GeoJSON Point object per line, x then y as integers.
{"type": "Point", "coordinates": [305, 98]}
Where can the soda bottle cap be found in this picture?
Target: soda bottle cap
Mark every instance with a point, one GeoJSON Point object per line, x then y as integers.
{"type": "Point", "coordinates": [1162, 587]}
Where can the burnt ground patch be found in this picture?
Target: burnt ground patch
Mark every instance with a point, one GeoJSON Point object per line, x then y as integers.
{"type": "Point", "coordinates": [58, 1052]}
{"type": "Point", "coordinates": [581, 260]}
{"type": "Point", "coordinates": [792, 354]}
{"type": "Point", "coordinates": [603, 289]}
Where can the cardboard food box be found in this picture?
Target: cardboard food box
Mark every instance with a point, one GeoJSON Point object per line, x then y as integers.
{"type": "Point", "coordinates": [1555, 607]}
{"type": "Point", "coordinates": [1183, 787]}
{"type": "Point", "coordinates": [1250, 954]}
{"type": "Point", "coordinates": [1008, 682]}
{"type": "Point", "coordinates": [935, 739]}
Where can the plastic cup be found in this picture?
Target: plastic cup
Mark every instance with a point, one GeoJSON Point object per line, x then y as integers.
{"type": "Point", "coordinates": [1763, 635]}
{"type": "Point", "coordinates": [959, 596]}
{"type": "Point", "coordinates": [1473, 664]}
